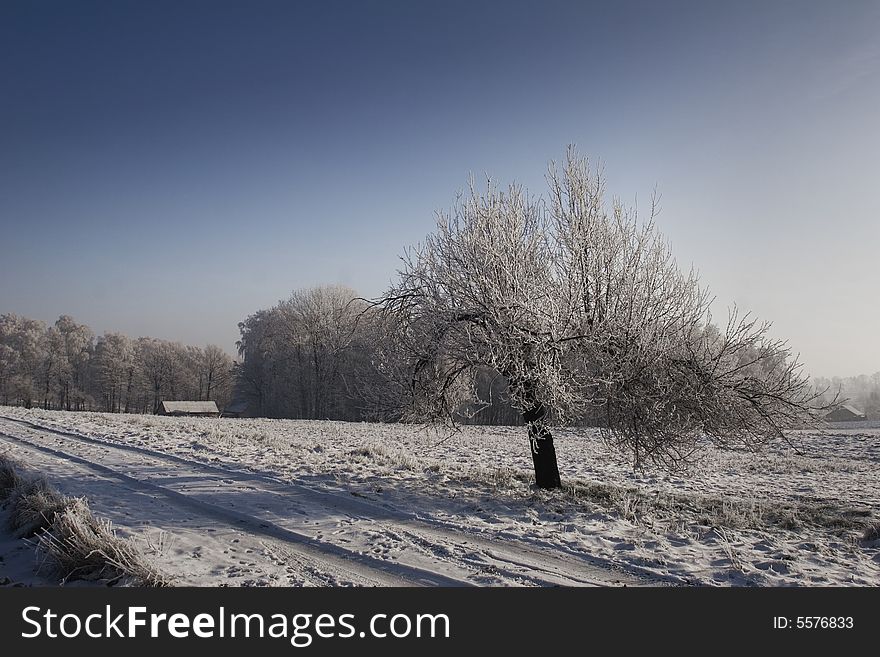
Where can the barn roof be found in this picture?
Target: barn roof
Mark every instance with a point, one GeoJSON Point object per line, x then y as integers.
{"type": "Point", "coordinates": [851, 409]}
{"type": "Point", "coordinates": [848, 409]}
{"type": "Point", "coordinates": [189, 407]}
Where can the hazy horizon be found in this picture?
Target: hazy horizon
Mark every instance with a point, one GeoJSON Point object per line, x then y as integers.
{"type": "Point", "coordinates": [169, 168]}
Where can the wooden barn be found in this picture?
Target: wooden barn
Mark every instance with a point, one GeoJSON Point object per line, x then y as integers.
{"type": "Point", "coordinates": [189, 408]}
{"type": "Point", "coordinates": [845, 413]}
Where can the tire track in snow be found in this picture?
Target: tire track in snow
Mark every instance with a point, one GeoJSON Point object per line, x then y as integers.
{"type": "Point", "coordinates": [512, 560]}
{"type": "Point", "coordinates": [360, 565]}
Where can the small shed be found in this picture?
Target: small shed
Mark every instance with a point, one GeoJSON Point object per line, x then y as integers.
{"type": "Point", "coordinates": [845, 413]}
{"type": "Point", "coordinates": [189, 408]}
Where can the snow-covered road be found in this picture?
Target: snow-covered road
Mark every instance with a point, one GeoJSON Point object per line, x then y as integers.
{"type": "Point", "coordinates": [216, 524]}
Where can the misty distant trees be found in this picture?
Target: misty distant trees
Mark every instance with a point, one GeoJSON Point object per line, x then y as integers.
{"type": "Point", "coordinates": [861, 391]}
{"type": "Point", "coordinates": [306, 356]}
{"type": "Point", "coordinates": [579, 306]}
{"type": "Point", "coordinates": [64, 366]}
{"type": "Point", "coordinates": [315, 355]}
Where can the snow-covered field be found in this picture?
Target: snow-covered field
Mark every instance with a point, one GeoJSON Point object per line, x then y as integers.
{"type": "Point", "coordinates": [283, 502]}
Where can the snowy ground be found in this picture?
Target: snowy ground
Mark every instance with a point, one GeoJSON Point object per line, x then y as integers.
{"type": "Point", "coordinates": [281, 502]}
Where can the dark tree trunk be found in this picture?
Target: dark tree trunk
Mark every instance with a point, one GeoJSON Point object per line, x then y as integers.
{"type": "Point", "coordinates": [128, 390]}
{"type": "Point", "coordinates": [543, 452]}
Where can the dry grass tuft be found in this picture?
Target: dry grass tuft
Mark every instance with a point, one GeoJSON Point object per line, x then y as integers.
{"type": "Point", "coordinates": [9, 477]}
{"type": "Point", "coordinates": [74, 543]}
{"type": "Point", "coordinates": [872, 532]}
{"type": "Point", "coordinates": [81, 546]}
{"type": "Point", "coordinates": [33, 507]}
{"type": "Point", "coordinates": [392, 457]}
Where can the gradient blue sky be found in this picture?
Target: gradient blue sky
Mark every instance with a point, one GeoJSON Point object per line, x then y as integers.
{"type": "Point", "coordinates": [167, 168]}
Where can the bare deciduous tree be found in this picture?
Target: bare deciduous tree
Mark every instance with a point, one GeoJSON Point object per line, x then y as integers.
{"type": "Point", "coordinates": [580, 306]}
{"type": "Point", "coordinates": [215, 373]}
{"type": "Point", "coordinates": [73, 374]}
{"type": "Point", "coordinates": [112, 372]}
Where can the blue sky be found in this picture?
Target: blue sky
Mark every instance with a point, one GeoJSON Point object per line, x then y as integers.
{"type": "Point", "coordinates": [167, 168]}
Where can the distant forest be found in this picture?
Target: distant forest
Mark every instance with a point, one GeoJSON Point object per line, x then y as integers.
{"type": "Point", "coordinates": [64, 366]}
{"type": "Point", "coordinates": [311, 356]}
{"type": "Point", "coordinates": [314, 356]}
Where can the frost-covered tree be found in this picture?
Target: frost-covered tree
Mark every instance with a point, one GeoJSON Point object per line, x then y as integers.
{"type": "Point", "coordinates": [113, 371]}
{"type": "Point", "coordinates": [23, 341]}
{"type": "Point", "coordinates": [579, 306]}
{"type": "Point", "coordinates": [255, 375]}
{"type": "Point", "coordinates": [320, 324]}
{"type": "Point", "coordinates": [215, 374]}
{"type": "Point", "coordinates": [73, 374]}
{"type": "Point", "coordinates": [52, 365]}
{"type": "Point", "coordinates": [301, 357]}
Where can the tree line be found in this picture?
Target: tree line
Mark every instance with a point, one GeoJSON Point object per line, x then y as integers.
{"type": "Point", "coordinates": [311, 356]}
{"type": "Point", "coordinates": [65, 366]}
{"type": "Point", "coordinates": [318, 355]}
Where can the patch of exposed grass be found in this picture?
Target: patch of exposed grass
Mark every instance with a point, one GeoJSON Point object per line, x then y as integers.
{"type": "Point", "coordinates": [395, 458]}
{"type": "Point", "coordinates": [735, 513]}
{"type": "Point", "coordinates": [497, 477]}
